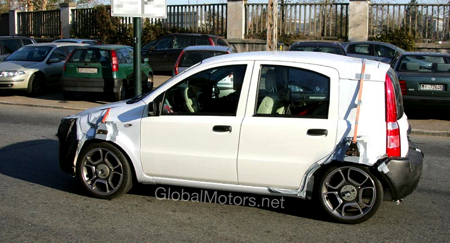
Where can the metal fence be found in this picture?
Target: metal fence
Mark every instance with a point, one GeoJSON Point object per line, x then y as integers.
{"type": "Point", "coordinates": [310, 20]}
{"type": "Point", "coordinates": [201, 18]}
{"type": "Point", "coordinates": [428, 22]}
{"type": "Point", "coordinates": [39, 23]}
{"type": "Point", "coordinates": [4, 24]}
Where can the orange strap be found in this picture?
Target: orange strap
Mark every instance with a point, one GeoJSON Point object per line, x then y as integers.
{"type": "Point", "coordinates": [361, 81]}
{"type": "Point", "coordinates": [106, 115]}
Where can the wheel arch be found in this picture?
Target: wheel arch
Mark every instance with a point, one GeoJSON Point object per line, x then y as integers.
{"type": "Point", "coordinates": [373, 169]}
{"type": "Point", "coordinates": [123, 151]}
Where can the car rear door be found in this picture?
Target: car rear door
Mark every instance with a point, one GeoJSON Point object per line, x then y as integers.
{"type": "Point", "coordinates": [278, 145]}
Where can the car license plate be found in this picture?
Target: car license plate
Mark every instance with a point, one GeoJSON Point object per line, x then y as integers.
{"type": "Point", "coordinates": [87, 70]}
{"type": "Point", "coordinates": [432, 87]}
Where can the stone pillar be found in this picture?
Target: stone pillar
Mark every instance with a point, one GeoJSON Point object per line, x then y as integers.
{"type": "Point", "coordinates": [66, 18]}
{"type": "Point", "coordinates": [358, 20]}
{"type": "Point", "coordinates": [13, 22]}
{"type": "Point", "coordinates": [236, 19]}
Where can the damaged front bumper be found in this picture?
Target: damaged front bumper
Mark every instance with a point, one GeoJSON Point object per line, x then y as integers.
{"type": "Point", "coordinates": [402, 174]}
{"type": "Point", "coordinates": [68, 142]}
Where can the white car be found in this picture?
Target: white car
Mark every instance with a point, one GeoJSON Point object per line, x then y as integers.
{"type": "Point", "coordinates": [288, 129]}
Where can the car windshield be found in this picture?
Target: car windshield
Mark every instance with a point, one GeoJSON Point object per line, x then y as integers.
{"type": "Point", "coordinates": [192, 57]}
{"type": "Point", "coordinates": [90, 56]}
{"type": "Point", "coordinates": [326, 49]}
{"type": "Point", "coordinates": [30, 53]}
{"type": "Point", "coordinates": [425, 63]}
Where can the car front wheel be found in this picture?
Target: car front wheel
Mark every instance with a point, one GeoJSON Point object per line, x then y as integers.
{"type": "Point", "coordinates": [104, 170]}
{"type": "Point", "coordinates": [349, 194]}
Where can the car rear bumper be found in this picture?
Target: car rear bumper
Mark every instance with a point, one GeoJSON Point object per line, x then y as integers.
{"type": "Point", "coordinates": [426, 102]}
{"type": "Point", "coordinates": [90, 85]}
{"type": "Point", "coordinates": [402, 175]}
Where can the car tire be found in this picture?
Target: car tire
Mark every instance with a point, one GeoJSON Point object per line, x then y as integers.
{"type": "Point", "coordinates": [148, 86]}
{"type": "Point", "coordinates": [349, 194]}
{"type": "Point", "coordinates": [121, 92]}
{"type": "Point", "coordinates": [36, 84]}
{"type": "Point", "coordinates": [104, 171]}
{"type": "Point", "coordinates": [69, 95]}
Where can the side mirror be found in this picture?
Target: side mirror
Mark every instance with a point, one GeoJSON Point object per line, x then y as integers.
{"type": "Point", "coordinates": [145, 59]}
{"type": "Point", "coordinates": [152, 109]}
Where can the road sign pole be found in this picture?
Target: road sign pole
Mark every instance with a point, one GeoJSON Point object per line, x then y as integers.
{"type": "Point", "coordinates": [137, 27]}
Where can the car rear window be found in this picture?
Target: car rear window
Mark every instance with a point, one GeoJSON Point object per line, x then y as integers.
{"type": "Point", "coordinates": [90, 56]}
{"type": "Point", "coordinates": [192, 57]}
{"type": "Point", "coordinates": [425, 64]}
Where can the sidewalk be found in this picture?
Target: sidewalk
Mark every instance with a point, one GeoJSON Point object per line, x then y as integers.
{"type": "Point", "coordinates": [420, 126]}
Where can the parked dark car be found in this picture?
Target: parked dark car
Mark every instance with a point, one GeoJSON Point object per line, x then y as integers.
{"type": "Point", "coordinates": [9, 44]}
{"type": "Point", "coordinates": [374, 50]}
{"type": "Point", "coordinates": [163, 52]}
{"type": "Point", "coordinates": [424, 79]}
{"type": "Point", "coordinates": [318, 46]}
{"type": "Point", "coordinates": [103, 68]}
{"type": "Point", "coordinates": [195, 54]}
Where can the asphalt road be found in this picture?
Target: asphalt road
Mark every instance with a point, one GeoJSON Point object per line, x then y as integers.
{"type": "Point", "coordinates": [39, 203]}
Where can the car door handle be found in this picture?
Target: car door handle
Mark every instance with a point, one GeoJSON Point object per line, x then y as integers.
{"type": "Point", "coordinates": [220, 128]}
{"type": "Point", "coordinates": [317, 132]}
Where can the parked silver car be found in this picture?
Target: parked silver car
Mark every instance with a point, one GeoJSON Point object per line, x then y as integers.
{"type": "Point", "coordinates": [34, 67]}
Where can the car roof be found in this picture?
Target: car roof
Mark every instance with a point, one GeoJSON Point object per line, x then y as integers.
{"type": "Point", "coordinates": [56, 44]}
{"type": "Point", "coordinates": [78, 40]}
{"type": "Point", "coordinates": [348, 67]}
{"type": "Point", "coordinates": [104, 47]}
{"type": "Point", "coordinates": [316, 43]}
{"type": "Point", "coordinates": [415, 53]}
{"type": "Point", "coordinates": [208, 48]}
{"type": "Point", "coordinates": [345, 44]}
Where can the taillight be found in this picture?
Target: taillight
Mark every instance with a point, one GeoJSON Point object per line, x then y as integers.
{"type": "Point", "coordinates": [67, 59]}
{"type": "Point", "coordinates": [392, 128]}
{"type": "Point", "coordinates": [115, 62]}
{"type": "Point", "coordinates": [211, 42]}
{"type": "Point", "coordinates": [175, 68]}
{"type": "Point", "coordinates": [403, 86]}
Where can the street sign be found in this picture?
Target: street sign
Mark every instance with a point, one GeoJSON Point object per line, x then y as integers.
{"type": "Point", "coordinates": [139, 8]}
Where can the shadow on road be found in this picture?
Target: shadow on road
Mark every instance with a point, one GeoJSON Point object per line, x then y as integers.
{"type": "Point", "coordinates": [37, 162]}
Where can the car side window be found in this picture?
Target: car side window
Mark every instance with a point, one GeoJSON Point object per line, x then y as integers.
{"type": "Point", "coordinates": [202, 41]}
{"type": "Point", "coordinates": [164, 43]}
{"type": "Point", "coordinates": [59, 53]}
{"type": "Point", "coordinates": [292, 92]}
{"type": "Point", "coordinates": [181, 42]}
{"type": "Point", "coordinates": [221, 42]}
{"type": "Point", "coordinates": [363, 49]}
{"type": "Point", "coordinates": [9, 46]}
{"type": "Point", "coordinates": [126, 56]}
{"type": "Point", "coordinates": [211, 92]}
{"type": "Point", "coordinates": [26, 42]}
{"type": "Point", "coordinates": [384, 51]}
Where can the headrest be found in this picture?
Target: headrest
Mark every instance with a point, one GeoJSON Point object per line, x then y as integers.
{"type": "Point", "coordinates": [271, 81]}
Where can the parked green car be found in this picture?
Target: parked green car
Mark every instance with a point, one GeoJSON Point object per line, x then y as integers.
{"type": "Point", "coordinates": [103, 68]}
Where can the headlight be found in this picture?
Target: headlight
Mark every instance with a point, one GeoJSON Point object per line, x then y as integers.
{"type": "Point", "coordinates": [5, 74]}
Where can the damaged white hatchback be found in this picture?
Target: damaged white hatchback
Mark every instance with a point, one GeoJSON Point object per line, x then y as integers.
{"type": "Point", "coordinates": [307, 125]}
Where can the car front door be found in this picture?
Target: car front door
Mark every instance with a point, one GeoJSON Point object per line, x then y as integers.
{"type": "Point", "coordinates": [53, 68]}
{"type": "Point", "coordinates": [196, 135]}
{"type": "Point", "coordinates": [290, 123]}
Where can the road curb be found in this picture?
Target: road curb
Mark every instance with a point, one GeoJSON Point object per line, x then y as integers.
{"type": "Point", "coordinates": [44, 106]}
{"type": "Point", "coordinates": [430, 133]}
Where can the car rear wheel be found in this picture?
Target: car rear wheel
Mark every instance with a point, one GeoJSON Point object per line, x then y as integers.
{"type": "Point", "coordinates": [349, 194]}
{"type": "Point", "coordinates": [104, 171]}
{"type": "Point", "coordinates": [36, 84]}
{"type": "Point", "coordinates": [121, 92]}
